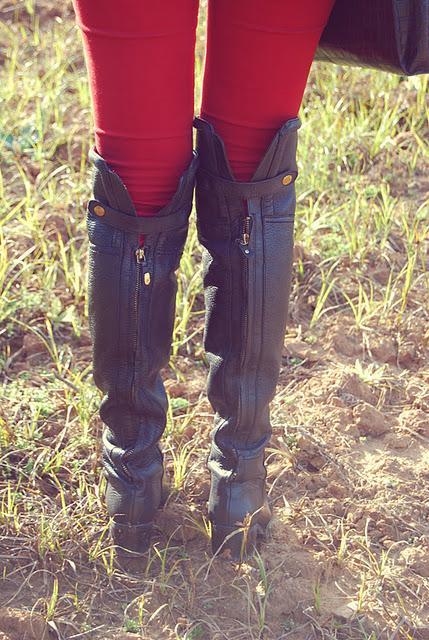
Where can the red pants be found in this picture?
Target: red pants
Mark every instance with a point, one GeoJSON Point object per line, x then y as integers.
{"type": "Point", "coordinates": [140, 58]}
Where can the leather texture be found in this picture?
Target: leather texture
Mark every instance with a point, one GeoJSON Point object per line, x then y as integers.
{"type": "Point", "coordinates": [131, 308]}
{"type": "Point", "coordinates": [391, 35]}
{"type": "Point", "coordinates": [246, 230]}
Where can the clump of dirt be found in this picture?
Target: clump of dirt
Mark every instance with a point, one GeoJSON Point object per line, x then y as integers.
{"type": "Point", "coordinates": [345, 341]}
{"type": "Point", "coordinates": [384, 349]}
{"type": "Point", "coordinates": [417, 559]}
{"type": "Point", "coordinates": [16, 624]}
{"type": "Point", "coordinates": [369, 420]}
{"type": "Point", "coordinates": [415, 421]}
{"type": "Point", "coordinates": [179, 522]}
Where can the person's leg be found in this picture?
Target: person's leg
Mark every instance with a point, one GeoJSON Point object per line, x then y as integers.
{"type": "Point", "coordinates": [259, 54]}
{"type": "Point", "coordinates": [141, 67]}
{"type": "Point", "coordinates": [258, 58]}
{"type": "Point", "coordinates": [140, 60]}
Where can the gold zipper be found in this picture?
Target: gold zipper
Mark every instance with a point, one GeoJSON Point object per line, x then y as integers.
{"type": "Point", "coordinates": [141, 258]}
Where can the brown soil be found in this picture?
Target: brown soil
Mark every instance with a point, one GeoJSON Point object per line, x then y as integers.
{"type": "Point", "coordinates": [16, 624]}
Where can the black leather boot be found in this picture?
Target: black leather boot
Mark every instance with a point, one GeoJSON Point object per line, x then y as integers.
{"type": "Point", "coordinates": [132, 291]}
{"type": "Point", "coordinates": [247, 231]}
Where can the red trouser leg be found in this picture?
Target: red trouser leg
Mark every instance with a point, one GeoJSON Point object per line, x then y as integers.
{"type": "Point", "coordinates": [140, 59]}
{"type": "Point", "coordinates": [259, 54]}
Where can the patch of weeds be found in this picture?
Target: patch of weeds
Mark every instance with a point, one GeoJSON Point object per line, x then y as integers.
{"type": "Point", "coordinates": [291, 440]}
{"type": "Point", "coordinates": [196, 633]}
{"type": "Point", "coordinates": [288, 624]}
{"type": "Point", "coordinates": [131, 626]}
{"type": "Point", "coordinates": [178, 405]}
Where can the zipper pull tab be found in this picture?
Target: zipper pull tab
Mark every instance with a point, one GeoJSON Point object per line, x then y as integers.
{"type": "Point", "coordinates": [245, 236]}
{"type": "Point", "coordinates": [141, 259]}
{"type": "Point", "coordinates": [140, 255]}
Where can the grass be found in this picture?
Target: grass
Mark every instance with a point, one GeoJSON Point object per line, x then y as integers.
{"type": "Point", "coordinates": [361, 276]}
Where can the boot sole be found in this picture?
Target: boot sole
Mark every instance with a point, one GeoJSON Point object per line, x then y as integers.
{"type": "Point", "coordinates": [236, 543]}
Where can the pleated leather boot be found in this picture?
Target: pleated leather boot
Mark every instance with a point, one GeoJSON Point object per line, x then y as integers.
{"type": "Point", "coordinates": [132, 291]}
{"type": "Point", "coordinates": [246, 229]}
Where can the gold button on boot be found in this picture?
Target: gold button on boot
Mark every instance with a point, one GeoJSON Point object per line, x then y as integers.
{"type": "Point", "coordinates": [99, 210]}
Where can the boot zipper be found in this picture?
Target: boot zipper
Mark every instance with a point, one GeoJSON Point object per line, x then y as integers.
{"type": "Point", "coordinates": [253, 282]}
{"type": "Point", "coordinates": [143, 277]}
{"type": "Point", "coordinates": [140, 255]}
{"type": "Point", "coordinates": [244, 245]}
{"type": "Point", "coordinates": [244, 241]}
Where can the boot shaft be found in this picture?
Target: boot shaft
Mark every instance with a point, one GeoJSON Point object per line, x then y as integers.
{"type": "Point", "coordinates": [131, 306]}
{"type": "Point", "coordinates": [247, 231]}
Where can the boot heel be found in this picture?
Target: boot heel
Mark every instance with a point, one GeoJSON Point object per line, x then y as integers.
{"type": "Point", "coordinates": [237, 542]}
{"type": "Point", "coordinates": [131, 540]}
